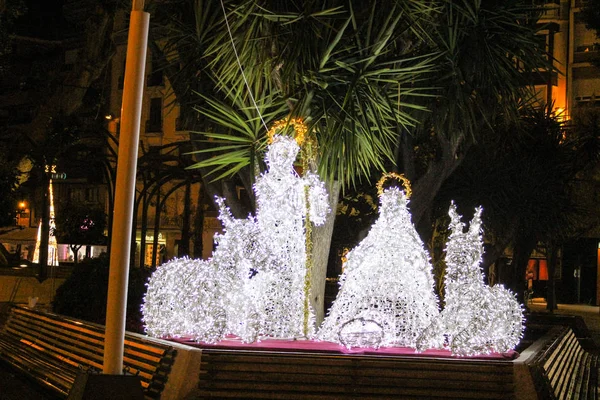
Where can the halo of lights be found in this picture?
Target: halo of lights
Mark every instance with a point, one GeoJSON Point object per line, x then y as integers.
{"type": "Point", "coordinates": [298, 124]}
{"type": "Point", "coordinates": [399, 177]}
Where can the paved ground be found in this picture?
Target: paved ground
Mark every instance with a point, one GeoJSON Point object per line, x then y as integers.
{"type": "Point", "coordinates": [590, 314]}
{"type": "Point", "coordinates": [14, 387]}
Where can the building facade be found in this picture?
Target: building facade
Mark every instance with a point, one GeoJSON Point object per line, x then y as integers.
{"type": "Point", "coordinates": [170, 204]}
{"type": "Point", "coordinates": [572, 92]}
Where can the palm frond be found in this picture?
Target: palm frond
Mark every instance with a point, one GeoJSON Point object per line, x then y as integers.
{"type": "Point", "coordinates": [240, 134]}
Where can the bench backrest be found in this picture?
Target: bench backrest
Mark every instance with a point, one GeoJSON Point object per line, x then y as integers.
{"type": "Point", "coordinates": [81, 344]}
{"type": "Point", "coordinates": [565, 369]}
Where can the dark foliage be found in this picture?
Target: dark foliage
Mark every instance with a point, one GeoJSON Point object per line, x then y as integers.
{"type": "Point", "coordinates": [590, 14]}
{"type": "Point", "coordinates": [84, 293]}
{"type": "Point", "coordinates": [80, 224]}
{"type": "Point", "coordinates": [8, 185]}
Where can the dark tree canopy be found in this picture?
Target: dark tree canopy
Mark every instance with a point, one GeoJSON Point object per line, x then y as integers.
{"type": "Point", "coordinates": [80, 224]}
{"type": "Point", "coordinates": [591, 15]}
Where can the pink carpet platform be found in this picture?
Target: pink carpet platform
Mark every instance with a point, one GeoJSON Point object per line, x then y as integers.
{"type": "Point", "coordinates": [313, 346]}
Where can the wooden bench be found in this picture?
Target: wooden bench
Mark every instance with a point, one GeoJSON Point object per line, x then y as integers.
{"type": "Point", "coordinates": [53, 349]}
{"type": "Point", "coordinates": [564, 369]}
{"type": "Point", "coordinates": [280, 375]}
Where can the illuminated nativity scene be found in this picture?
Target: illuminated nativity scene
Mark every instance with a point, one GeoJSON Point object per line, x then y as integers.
{"type": "Point", "coordinates": [256, 286]}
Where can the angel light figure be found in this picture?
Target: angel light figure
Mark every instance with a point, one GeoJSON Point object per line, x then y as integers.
{"type": "Point", "coordinates": [477, 319]}
{"type": "Point", "coordinates": [386, 295]}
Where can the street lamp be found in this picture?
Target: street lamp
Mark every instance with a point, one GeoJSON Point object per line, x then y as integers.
{"type": "Point", "coordinates": [19, 213]}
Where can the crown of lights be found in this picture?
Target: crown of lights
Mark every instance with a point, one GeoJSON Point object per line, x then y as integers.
{"type": "Point", "coordinates": [300, 129]}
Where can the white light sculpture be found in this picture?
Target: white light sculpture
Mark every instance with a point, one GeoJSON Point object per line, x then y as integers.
{"type": "Point", "coordinates": [281, 212]}
{"type": "Point", "coordinates": [184, 300]}
{"type": "Point", "coordinates": [255, 280]}
{"type": "Point", "coordinates": [52, 259]}
{"type": "Point", "coordinates": [386, 295]}
{"type": "Point", "coordinates": [477, 319]}
{"type": "Point", "coordinates": [239, 249]}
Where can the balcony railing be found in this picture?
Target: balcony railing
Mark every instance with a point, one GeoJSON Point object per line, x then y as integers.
{"type": "Point", "coordinates": [587, 53]}
{"type": "Point", "coordinates": [166, 221]}
{"type": "Point", "coordinates": [588, 101]}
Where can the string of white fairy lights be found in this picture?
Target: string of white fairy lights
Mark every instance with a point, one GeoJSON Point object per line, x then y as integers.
{"type": "Point", "coordinates": [237, 58]}
{"type": "Point", "coordinates": [257, 284]}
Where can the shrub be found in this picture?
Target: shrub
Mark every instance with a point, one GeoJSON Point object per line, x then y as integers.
{"type": "Point", "coordinates": [83, 295]}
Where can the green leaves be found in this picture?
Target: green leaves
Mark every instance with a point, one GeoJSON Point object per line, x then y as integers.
{"type": "Point", "coordinates": [486, 47]}
{"type": "Point", "coordinates": [341, 66]}
{"type": "Point", "coordinates": [365, 74]}
{"type": "Point", "coordinates": [239, 136]}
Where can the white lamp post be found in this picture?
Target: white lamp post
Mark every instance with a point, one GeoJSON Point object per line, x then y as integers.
{"type": "Point", "coordinates": [131, 112]}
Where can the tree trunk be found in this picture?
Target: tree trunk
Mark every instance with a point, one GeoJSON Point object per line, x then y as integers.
{"type": "Point", "coordinates": [552, 257]}
{"type": "Point", "coordinates": [426, 188]}
{"type": "Point", "coordinates": [521, 253]}
{"type": "Point", "coordinates": [184, 243]}
{"type": "Point", "coordinates": [144, 228]}
{"type": "Point", "coordinates": [501, 241]}
{"type": "Point", "coordinates": [75, 250]}
{"type": "Point", "coordinates": [136, 207]}
{"type": "Point", "coordinates": [45, 234]}
{"type": "Point", "coordinates": [110, 203]}
{"type": "Point", "coordinates": [199, 224]}
{"type": "Point", "coordinates": [321, 245]}
{"type": "Point", "coordinates": [232, 200]}
{"type": "Point", "coordinates": [156, 229]}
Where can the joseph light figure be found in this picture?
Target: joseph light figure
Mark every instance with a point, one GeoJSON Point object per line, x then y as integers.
{"type": "Point", "coordinates": [386, 295]}
{"type": "Point", "coordinates": [477, 319]}
{"type": "Point", "coordinates": [279, 278]}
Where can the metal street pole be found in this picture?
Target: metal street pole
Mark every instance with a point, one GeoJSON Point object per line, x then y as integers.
{"type": "Point", "coordinates": [131, 111]}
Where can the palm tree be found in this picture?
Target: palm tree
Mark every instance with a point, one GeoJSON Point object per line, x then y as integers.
{"type": "Point", "coordinates": [343, 66]}
{"type": "Point", "coordinates": [412, 86]}
{"type": "Point", "coordinates": [340, 66]}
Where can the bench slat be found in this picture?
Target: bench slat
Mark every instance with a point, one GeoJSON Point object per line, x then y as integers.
{"type": "Point", "coordinates": [256, 374]}
{"type": "Point", "coordinates": [341, 380]}
{"type": "Point", "coordinates": [574, 374]}
{"type": "Point", "coordinates": [567, 367]}
{"type": "Point", "coordinates": [135, 348]}
{"type": "Point", "coordinates": [52, 349]}
{"type": "Point", "coordinates": [570, 357]}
